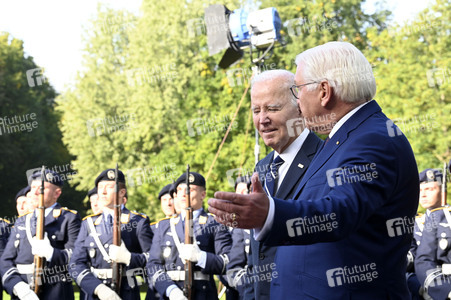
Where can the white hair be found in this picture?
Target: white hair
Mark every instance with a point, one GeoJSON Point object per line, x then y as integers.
{"type": "Point", "coordinates": [343, 66]}
{"type": "Point", "coordinates": [286, 78]}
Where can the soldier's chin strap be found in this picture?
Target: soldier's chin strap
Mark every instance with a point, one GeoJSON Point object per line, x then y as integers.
{"type": "Point", "coordinates": [93, 233]}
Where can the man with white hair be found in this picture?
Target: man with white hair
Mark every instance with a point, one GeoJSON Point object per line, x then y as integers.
{"type": "Point", "coordinates": [279, 122]}
{"type": "Point", "coordinates": [346, 231]}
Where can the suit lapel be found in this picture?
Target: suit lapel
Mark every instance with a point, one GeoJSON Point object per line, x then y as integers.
{"type": "Point", "coordinates": [299, 166]}
{"type": "Point", "coordinates": [263, 166]}
{"type": "Point", "coordinates": [337, 141]}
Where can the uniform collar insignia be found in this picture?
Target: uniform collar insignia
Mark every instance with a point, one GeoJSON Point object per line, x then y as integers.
{"type": "Point", "coordinates": [125, 218]}
{"type": "Point", "coordinates": [203, 220]}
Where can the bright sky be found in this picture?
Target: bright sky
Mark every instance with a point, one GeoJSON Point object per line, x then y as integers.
{"type": "Point", "coordinates": [52, 29]}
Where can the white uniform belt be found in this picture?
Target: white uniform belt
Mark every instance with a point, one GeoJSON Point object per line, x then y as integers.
{"type": "Point", "coordinates": [25, 269]}
{"type": "Point", "coordinates": [180, 275]}
{"type": "Point", "coordinates": [102, 273]}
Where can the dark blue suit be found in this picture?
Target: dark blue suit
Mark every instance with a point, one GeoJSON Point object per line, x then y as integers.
{"type": "Point", "coordinates": [4, 234]}
{"type": "Point", "coordinates": [137, 236]}
{"type": "Point", "coordinates": [211, 236]}
{"type": "Point", "coordinates": [62, 226]}
{"type": "Point", "coordinates": [433, 252]}
{"type": "Point", "coordinates": [262, 256]}
{"type": "Point", "coordinates": [351, 220]}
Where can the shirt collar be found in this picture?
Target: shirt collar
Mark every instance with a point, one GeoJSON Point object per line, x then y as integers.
{"type": "Point", "coordinates": [292, 150]}
{"type": "Point", "coordinates": [196, 213]}
{"type": "Point", "coordinates": [49, 209]}
{"type": "Point", "coordinates": [345, 118]}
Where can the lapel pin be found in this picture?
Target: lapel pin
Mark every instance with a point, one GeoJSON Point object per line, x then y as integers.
{"type": "Point", "coordinates": [301, 166]}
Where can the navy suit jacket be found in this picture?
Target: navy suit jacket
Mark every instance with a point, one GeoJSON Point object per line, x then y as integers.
{"type": "Point", "coordinates": [261, 256]}
{"type": "Point", "coordinates": [350, 223]}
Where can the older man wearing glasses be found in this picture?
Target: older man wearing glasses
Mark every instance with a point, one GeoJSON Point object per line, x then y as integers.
{"type": "Point", "coordinates": [347, 229]}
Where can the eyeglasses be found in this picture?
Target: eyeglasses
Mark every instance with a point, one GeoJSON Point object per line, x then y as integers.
{"type": "Point", "coordinates": [296, 89]}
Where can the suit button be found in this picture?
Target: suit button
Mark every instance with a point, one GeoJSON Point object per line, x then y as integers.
{"type": "Point", "coordinates": [261, 256]}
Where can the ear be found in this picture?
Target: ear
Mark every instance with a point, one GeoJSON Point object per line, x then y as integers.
{"type": "Point", "coordinates": [122, 194]}
{"type": "Point", "coordinates": [57, 193]}
{"type": "Point", "coordinates": [325, 93]}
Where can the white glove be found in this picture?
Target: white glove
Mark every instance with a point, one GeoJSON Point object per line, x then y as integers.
{"type": "Point", "coordinates": [24, 292]}
{"type": "Point", "coordinates": [42, 248]}
{"type": "Point", "coordinates": [177, 294]}
{"type": "Point", "coordinates": [190, 252]}
{"type": "Point", "coordinates": [120, 254]}
{"type": "Point", "coordinates": [105, 293]}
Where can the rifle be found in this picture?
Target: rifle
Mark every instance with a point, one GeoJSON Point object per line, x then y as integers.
{"type": "Point", "coordinates": [189, 273]}
{"type": "Point", "coordinates": [118, 268]}
{"type": "Point", "coordinates": [444, 189]}
{"type": "Point", "coordinates": [39, 261]}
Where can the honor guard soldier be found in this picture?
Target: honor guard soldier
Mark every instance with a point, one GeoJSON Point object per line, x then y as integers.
{"type": "Point", "coordinates": [237, 282]}
{"type": "Point", "coordinates": [94, 201]}
{"type": "Point", "coordinates": [22, 202]}
{"type": "Point", "coordinates": [167, 207]}
{"type": "Point", "coordinates": [208, 253]}
{"type": "Point", "coordinates": [4, 234]}
{"type": "Point", "coordinates": [166, 201]}
{"type": "Point", "coordinates": [94, 251]}
{"type": "Point", "coordinates": [61, 229]}
{"type": "Point", "coordinates": [430, 198]}
{"type": "Point", "coordinates": [432, 256]}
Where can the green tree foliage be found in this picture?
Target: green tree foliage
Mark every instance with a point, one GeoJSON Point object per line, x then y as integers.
{"type": "Point", "coordinates": [412, 67]}
{"type": "Point", "coordinates": [29, 129]}
{"type": "Point", "coordinates": [151, 98]}
{"type": "Point", "coordinates": [157, 71]}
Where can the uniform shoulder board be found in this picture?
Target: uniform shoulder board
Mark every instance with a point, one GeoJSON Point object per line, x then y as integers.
{"type": "Point", "coordinates": [70, 210]}
{"type": "Point", "coordinates": [93, 215]}
{"type": "Point", "coordinates": [25, 214]}
{"type": "Point", "coordinates": [158, 221]}
{"type": "Point", "coordinates": [138, 214]}
{"type": "Point", "coordinates": [4, 220]}
{"type": "Point", "coordinates": [441, 207]}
